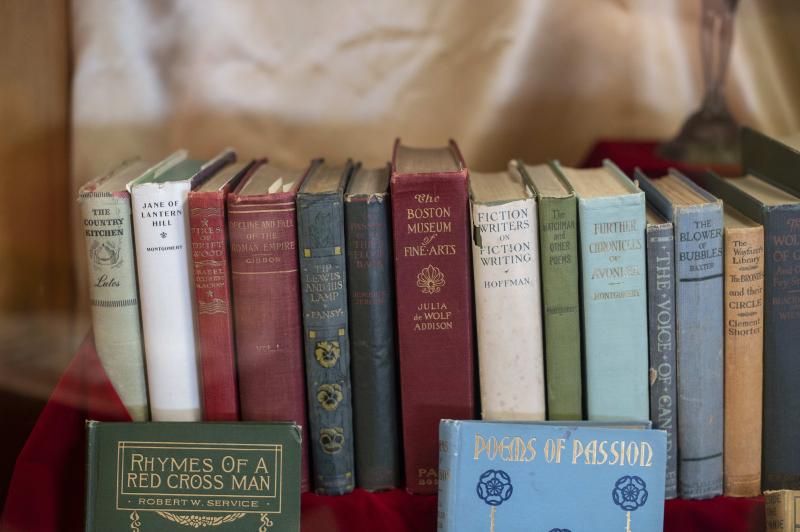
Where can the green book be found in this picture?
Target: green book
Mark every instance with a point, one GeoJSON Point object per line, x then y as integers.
{"type": "Point", "coordinates": [178, 476]}
{"type": "Point", "coordinates": [558, 241]}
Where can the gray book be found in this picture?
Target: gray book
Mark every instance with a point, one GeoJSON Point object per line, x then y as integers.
{"type": "Point", "coordinates": [113, 292]}
{"type": "Point", "coordinates": [697, 218]}
{"type": "Point", "coordinates": [323, 287]}
{"type": "Point", "coordinates": [661, 328]}
{"type": "Point", "coordinates": [370, 283]}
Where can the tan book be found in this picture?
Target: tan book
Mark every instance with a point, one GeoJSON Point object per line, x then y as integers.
{"type": "Point", "coordinates": [744, 334]}
{"type": "Point", "coordinates": [781, 510]}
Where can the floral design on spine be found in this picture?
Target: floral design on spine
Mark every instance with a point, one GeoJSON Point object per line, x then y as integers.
{"type": "Point", "coordinates": [630, 494]}
{"type": "Point", "coordinates": [327, 353]}
{"type": "Point", "coordinates": [494, 488]}
{"type": "Point", "coordinates": [430, 280]}
{"type": "Point", "coordinates": [329, 396]}
{"type": "Point", "coordinates": [331, 439]}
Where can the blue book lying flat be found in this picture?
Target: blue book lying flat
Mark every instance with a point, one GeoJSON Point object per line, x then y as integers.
{"type": "Point", "coordinates": [530, 477]}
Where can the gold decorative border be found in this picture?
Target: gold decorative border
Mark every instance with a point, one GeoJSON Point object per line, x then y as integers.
{"type": "Point", "coordinates": [203, 446]}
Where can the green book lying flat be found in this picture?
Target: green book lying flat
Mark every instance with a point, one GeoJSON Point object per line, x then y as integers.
{"type": "Point", "coordinates": [182, 476]}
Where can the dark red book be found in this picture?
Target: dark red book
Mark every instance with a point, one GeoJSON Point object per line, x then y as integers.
{"type": "Point", "coordinates": [266, 295]}
{"type": "Point", "coordinates": [209, 238]}
{"type": "Point", "coordinates": [434, 301]}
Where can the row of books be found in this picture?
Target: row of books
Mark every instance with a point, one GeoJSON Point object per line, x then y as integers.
{"type": "Point", "coordinates": [304, 289]}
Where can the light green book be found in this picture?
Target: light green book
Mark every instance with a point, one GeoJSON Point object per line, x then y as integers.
{"type": "Point", "coordinates": [558, 244]}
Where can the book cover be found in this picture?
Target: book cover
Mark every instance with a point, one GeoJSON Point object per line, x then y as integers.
{"type": "Point", "coordinates": [611, 217]}
{"type": "Point", "coordinates": [508, 302]}
{"type": "Point", "coordinates": [528, 476]}
{"type": "Point", "coordinates": [661, 329]}
{"type": "Point", "coordinates": [697, 218]}
{"type": "Point", "coordinates": [212, 288]}
{"type": "Point", "coordinates": [558, 245]}
{"type": "Point", "coordinates": [744, 337]}
{"type": "Point", "coordinates": [113, 291]}
{"type": "Point", "coordinates": [323, 288]}
{"type": "Point", "coordinates": [370, 283]}
{"type": "Point", "coordinates": [430, 218]}
{"type": "Point", "coordinates": [164, 267]}
{"type": "Point", "coordinates": [765, 195]}
{"type": "Point", "coordinates": [181, 476]}
{"type": "Point", "coordinates": [782, 510]}
{"type": "Point", "coordinates": [266, 298]}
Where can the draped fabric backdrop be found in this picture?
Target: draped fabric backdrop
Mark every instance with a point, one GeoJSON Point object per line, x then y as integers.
{"type": "Point", "coordinates": [295, 80]}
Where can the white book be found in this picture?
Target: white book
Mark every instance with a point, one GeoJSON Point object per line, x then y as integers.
{"type": "Point", "coordinates": [166, 283]}
{"type": "Point", "coordinates": [508, 316]}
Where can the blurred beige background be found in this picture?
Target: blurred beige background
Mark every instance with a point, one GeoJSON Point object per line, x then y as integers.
{"type": "Point", "coordinates": [294, 80]}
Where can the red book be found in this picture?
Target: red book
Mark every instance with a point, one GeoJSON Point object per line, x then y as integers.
{"type": "Point", "coordinates": [266, 295]}
{"type": "Point", "coordinates": [213, 293]}
{"type": "Point", "coordinates": [434, 301]}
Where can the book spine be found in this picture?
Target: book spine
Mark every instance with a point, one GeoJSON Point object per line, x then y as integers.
{"type": "Point", "coordinates": [268, 321]}
{"type": "Point", "coordinates": [699, 333]}
{"type": "Point", "coordinates": [372, 339]}
{"type": "Point", "coordinates": [508, 316]}
{"type": "Point", "coordinates": [612, 232]}
{"type": "Point", "coordinates": [744, 336]}
{"type": "Point", "coordinates": [213, 294]}
{"type": "Point", "coordinates": [780, 510]}
{"type": "Point", "coordinates": [448, 469]}
{"type": "Point", "coordinates": [323, 285]}
{"type": "Point", "coordinates": [661, 326]}
{"type": "Point", "coordinates": [781, 429]}
{"type": "Point", "coordinates": [114, 297]}
{"type": "Point", "coordinates": [92, 474]}
{"type": "Point", "coordinates": [165, 287]}
{"type": "Point", "coordinates": [558, 234]}
{"type": "Point", "coordinates": [434, 311]}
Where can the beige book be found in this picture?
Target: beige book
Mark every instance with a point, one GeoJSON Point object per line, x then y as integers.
{"type": "Point", "coordinates": [508, 301]}
{"type": "Point", "coordinates": [782, 510]}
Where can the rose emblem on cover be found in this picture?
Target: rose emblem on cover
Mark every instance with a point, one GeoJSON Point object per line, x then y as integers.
{"type": "Point", "coordinates": [494, 488]}
{"type": "Point", "coordinates": [630, 494]}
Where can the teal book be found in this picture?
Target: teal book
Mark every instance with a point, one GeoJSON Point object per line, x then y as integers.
{"type": "Point", "coordinates": [611, 222]}
{"type": "Point", "coordinates": [578, 477]}
{"type": "Point", "coordinates": [697, 218]}
{"type": "Point", "coordinates": [178, 476]}
{"type": "Point", "coordinates": [323, 288]}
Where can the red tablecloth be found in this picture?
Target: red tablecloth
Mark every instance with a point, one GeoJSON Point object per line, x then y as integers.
{"type": "Point", "coordinates": [46, 491]}
{"type": "Point", "coordinates": [629, 155]}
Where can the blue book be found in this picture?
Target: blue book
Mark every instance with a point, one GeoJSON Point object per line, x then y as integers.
{"type": "Point", "coordinates": [769, 193]}
{"type": "Point", "coordinates": [611, 221]}
{"type": "Point", "coordinates": [698, 221]}
{"type": "Point", "coordinates": [323, 286]}
{"type": "Point", "coordinates": [549, 477]}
